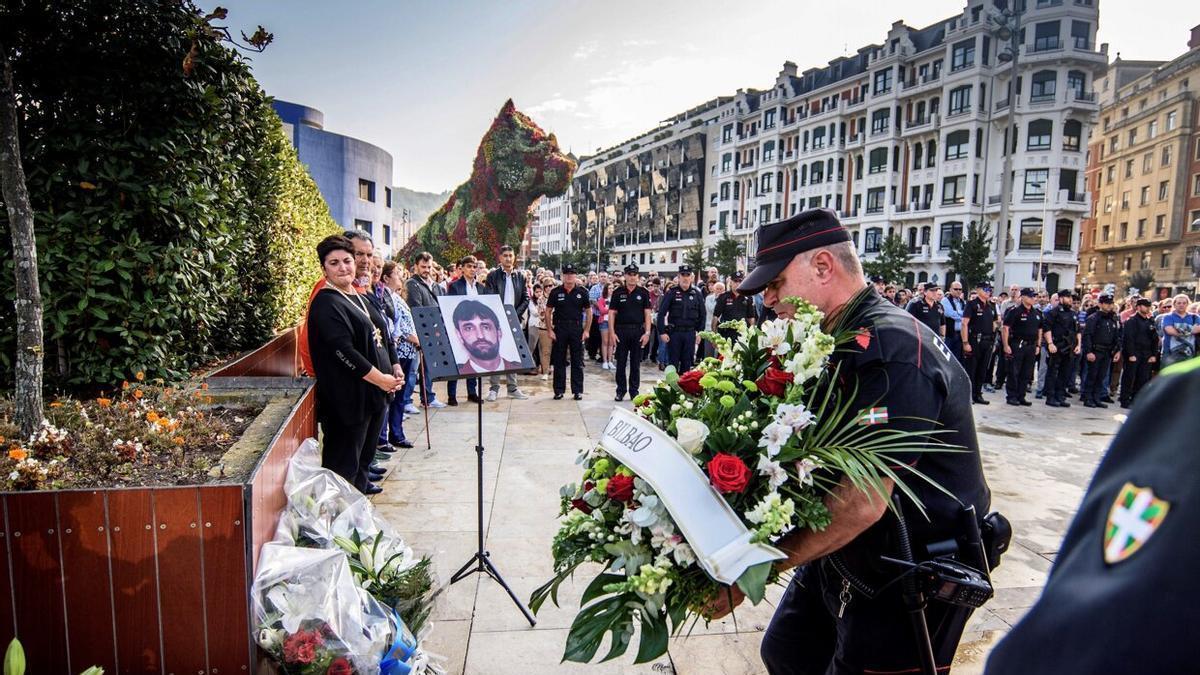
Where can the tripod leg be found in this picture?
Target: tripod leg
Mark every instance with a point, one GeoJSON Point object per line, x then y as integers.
{"type": "Point", "coordinates": [472, 566]}
{"type": "Point", "coordinates": [494, 573]}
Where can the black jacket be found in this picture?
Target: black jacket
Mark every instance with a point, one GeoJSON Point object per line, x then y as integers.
{"type": "Point", "coordinates": [421, 295]}
{"type": "Point", "coordinates": [1102, 332]}
{"type": "Point", "coordinates": [459, 287]}
{"type": "Point", "coordinates": [1139, 337]}
{"type": "Point", "coordinates": [341, 340]}
{"type": "Point", "coordinates": [495, 282]}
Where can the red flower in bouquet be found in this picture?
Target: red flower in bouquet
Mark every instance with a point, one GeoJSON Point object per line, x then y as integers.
{"type": "Point", "coordinates": [774, 381]}
{"type": "Point", "coordinates": [579, 504]}
{"type": "Point", "coordinates": [302, 646]}
{"type": "Point", "coordinates": [620, 488]}
{"type": "Point", "coordinates": [689, 382]}
{"type": "Point", "coordinates": [340, 666]}
{"type": "Point", "coordinates": [728, 473]}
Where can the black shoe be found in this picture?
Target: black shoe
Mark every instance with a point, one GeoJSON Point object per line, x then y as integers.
{"type": "Point", "coordinates": [1012, 402]}
{"type": "Point", "coordinates": [1054, 404]}
{"type": "Point", "coordinates": [1039, 395]}
{"type": "Point", "coordinates": [1073, 390]}
{"type": "Point", "coordinates": [980, 400]}
{"type": "Point", "coordinates": [375, 468]}
{"type": "Point", "coordinates": [1107, 399]}
{"type": "Point", "coordinates": [1100, 403]}
{"type": "Point", "coordinates": [558, 397]}
{"type": "Point", "coordinates": [1089, 404]}
{"type": "Point", "coordinates": [473, 398]}
{"type": "Point", "coordinates": [661, 367]}
{"type": "Point", "coordinates": [400, 444]}
{"type": "Point", "coordinates": [1064, 404]}
{"type": "Point", "coordinates": [1025, 403]}
{"type": "Point", "coordinates": [452, 401]}
{"type": "Point", "coordinates": [372, 490]}
{"type": "Point", "coordinates": [577, 397]}
{"type": "Point", "coordinates": [619, 397]}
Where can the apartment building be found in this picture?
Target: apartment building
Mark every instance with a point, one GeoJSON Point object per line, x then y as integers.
{"type": "Point", "coordinates": [552, 230]}
{"type": "Point", "coordinates": [1144, 176]}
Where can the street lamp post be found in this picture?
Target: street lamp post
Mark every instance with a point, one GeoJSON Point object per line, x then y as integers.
{"type": "Point", "coordinates": [1008, 28]}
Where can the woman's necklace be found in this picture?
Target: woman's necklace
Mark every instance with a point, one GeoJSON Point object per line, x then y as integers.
{"type": "Point", "coordinates": [362, 307]}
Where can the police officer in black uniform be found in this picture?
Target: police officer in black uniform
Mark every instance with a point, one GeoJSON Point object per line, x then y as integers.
{"type": "Point", "coordinates": [1102, 348]}
{"type": "Point", "coordinates": [1021, 334]}
{"type": "Point", "coordinates": [907, 380]}
{"type": "Point", "coordinates": [569, 315]}
{"type": "Point", "coordinates": [629, 325]}
{"type": "Point", "coordinates": [1139, 348]}
{"type": "Point", "coordinates": [929, 311]}
{"type": "Point", "coordinates": [732, 305]}
{"type": "Point", "coordinates": [1122, 596]}
{"type": "Point", "coordinates": [978, 338]}
{"type": "Point", "coordinates": [1061, 334]}
{"type": "Point", "coordinates": [680, 315]}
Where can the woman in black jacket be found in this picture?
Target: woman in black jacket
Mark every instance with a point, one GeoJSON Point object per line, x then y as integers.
{"type": "Point", "coordinates": [356, 371]}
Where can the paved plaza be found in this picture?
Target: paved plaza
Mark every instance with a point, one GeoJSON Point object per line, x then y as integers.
{"type": "Point", "coordinates": [1038, 462]}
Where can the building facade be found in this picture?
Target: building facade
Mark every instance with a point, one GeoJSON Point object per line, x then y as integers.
{"type": "Point", "coordinates": [1145, 178]}
{"type": "Point", "coordinates": [552, 228]}
{"type": "Point", "coordinates": [906, 137]}
{"type": "Point", "coordinates": [354, 177]}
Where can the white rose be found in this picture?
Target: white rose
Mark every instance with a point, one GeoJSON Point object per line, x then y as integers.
{"type": "Point", "coordinates": [691, 434]}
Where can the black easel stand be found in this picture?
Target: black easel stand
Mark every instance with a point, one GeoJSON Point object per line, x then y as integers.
{"type": "Point", "coordinates": [481, 561]}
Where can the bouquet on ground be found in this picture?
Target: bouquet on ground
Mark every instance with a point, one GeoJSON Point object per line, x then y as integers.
{"type": "Point", "coordinates": [687, 496]}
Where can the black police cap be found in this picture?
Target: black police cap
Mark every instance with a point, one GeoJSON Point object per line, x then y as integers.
{"type": "Point", "coordinates": [568, 269]}
{"type": "Point", "coordinates": [1105, 299]}
{"type": "Point", "coordinates": [685, 269]}
{"type": "Point", "coordinates": [739, 275]}
{"type": "Point", "coordinates": [1065, 293]}
{"type": "Point", "coordinates": [1144, 302]}
{"type": "Point", "coordinates": [876, 279]}
{"type": "Point", "coordinates": [1028, 293]}
{"type": "Point", "coordinates": [631, 269]}
{"type": "Point", "coordinates": [779, 242]}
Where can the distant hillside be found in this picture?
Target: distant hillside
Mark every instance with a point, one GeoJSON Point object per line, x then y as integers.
{"type": "Point", "coordinates": [419, 204]}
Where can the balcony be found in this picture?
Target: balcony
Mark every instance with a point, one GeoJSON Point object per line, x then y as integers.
{"type": "Point", "coordinates": [1002, 104]}
{"type": "Point", "coordinates": [855, 140]}
{"type": "Point", "coordinates": [920, 122]}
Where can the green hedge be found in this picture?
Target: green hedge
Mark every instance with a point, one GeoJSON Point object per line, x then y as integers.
{"type": "Point", "coordinates": [174, 221]}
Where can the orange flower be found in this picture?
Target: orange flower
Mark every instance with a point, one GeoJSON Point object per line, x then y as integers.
{"type": "Point", "coordinates": [178, 441]}
{"type": "Point", "coordinates": [172, 426]}
{"type": "Point", "coordinates": [139, 376]}
{"type": "Point", "coordinates": [104, 402]}
{"type": "Point", "coordinates": [17, 454]}
{"type": "Point", "coordinates": [204, 385]}
{"type": "Point", "coordinates": [196, 394]}
{"type": "Point", "coordinates": [164, 422]}
{"type": "Point", "coordinates": [137, 393]}
{"type": "Point", "coordinates": [56, 404]}
{"type": "Point", "coordinates": [152, 416]}
{"type": "Point", "coordinates": [125, 384]}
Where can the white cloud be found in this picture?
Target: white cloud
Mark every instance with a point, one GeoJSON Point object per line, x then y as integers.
{"type": "Point", "coordinates": [585, 49]}
{"type": "Point", "coordinates": [554, 105]}
{"type": "Point", "coordinates": [639, 43]}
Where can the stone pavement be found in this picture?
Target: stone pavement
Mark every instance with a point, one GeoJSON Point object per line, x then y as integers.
{"type": "Point", "coordinates": [1037, 460]}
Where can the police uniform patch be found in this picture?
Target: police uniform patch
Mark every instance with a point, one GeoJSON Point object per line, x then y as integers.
{"type": "Point", "coordinates": [863, 338]}
{"type": "Point", "coordinates": [1133, 518]}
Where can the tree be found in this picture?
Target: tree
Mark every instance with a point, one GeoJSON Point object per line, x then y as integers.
{"type": "Point", "coordinates": [1142, 280]}
{"type": "Point", "coordinates": [550, 261]}
{"type": "Point", "coordinates": [694, 256]}
{"type": "Point", "coordinates": [27, 292]}
{"type": "Point", "coordinates": [971, 256]}
{"type": "Point", "coordinates": [725, 253]}
{"type": "Point", "coordinates": [891, 261]}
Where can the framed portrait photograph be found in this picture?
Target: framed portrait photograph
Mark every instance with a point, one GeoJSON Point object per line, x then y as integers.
{"type": "Point", "coordinates": [485, 337]}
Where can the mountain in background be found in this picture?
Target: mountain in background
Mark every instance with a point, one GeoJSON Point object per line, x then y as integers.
{"type": "Point", "coordinates": [419, 204]}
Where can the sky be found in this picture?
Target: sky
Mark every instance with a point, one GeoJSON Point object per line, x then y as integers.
{"type": "Point", "coordinates": [423, 79]}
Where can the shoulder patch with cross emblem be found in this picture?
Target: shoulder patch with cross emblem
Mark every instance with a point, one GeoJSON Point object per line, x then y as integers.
{"type": "Point", "coordinates": [1133, 518]}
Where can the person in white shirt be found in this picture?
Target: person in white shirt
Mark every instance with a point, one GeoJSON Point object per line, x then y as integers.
{"type": "Point", "coordinates": [509, 283]}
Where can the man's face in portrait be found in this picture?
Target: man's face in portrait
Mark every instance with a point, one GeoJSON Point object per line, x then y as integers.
{"type": "Point", "coordinates": [481, 337]}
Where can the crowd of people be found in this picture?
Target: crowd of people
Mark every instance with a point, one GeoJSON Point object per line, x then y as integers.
{"type": "Point", "coordinates": [1021, 341]}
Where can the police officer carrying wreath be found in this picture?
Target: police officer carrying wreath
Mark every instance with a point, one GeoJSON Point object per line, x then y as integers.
{"type": "Point", "coordinates": [1139, 348]}
{"type": "Point", "coordinates": [1061, 333]}
{"type": "Point", "coordinates": [732, 305]}
{"type": "Point", "coordinates": [1101, 347]}
{"type": "Point", "coordinates": [680, 315]}
{"type": "Point", "coordinates": [629, 326]}
{"type": "Point", "coordinates": [569, 315]}
{"type": "Point", "coordinates": [1021, 333]}
{"type": "Point", "coordinates": [825, 623]}
{"type": "Point", "coordinates": [978, 338]}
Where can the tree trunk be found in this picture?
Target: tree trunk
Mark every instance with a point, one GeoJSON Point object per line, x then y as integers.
{"type": "Point", "coordinates": [28, 294]}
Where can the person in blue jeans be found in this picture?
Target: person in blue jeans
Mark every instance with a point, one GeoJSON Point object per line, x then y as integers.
{"type": "Point", "coordinates": [404, 341]}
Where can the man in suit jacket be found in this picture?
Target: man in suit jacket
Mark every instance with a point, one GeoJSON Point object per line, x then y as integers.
{"type": "Point", "coordinates": [423, 292]}
{"type": "Point", "coordinates": [508, 282]}
{"type": "Point", "coordinates": [466, 285]}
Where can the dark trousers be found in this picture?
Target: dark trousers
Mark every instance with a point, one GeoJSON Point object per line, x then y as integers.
{"type": "Point", "coordinates": [1134, 376]}
{"type": "Point", "coordinates": [1001, 367]}
{"type": "Point", "coordinates": [348, 449]}
{"type": "Point", "coordinates": [1058, 373]}
{"type": "Point", "coordinates": [978, 362]}
{"type": "Point", "coordinates": [954, 342]}
{"type": "Point", "coordinates": [1020, 368]}
{"type": "Point", "coordinates": [1093, 386]}
{"type": "Point", "coordinates": [393, 430]}
{"type": "Point", "coordinates": [472, 388]}
{"type": "Point", "coordinates": [806, 637]}
{"type": "Point", "coordinates": [629, 354]}
{"type": "Point", "coordinates": [567, 337]}
{"type": "Point", "coordinates": [681, 350]}
{"type": "Point", "coordinates": [593, 339]}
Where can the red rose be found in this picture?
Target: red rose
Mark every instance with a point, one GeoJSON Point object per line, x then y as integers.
{"type": "Point", "coordinates": [774, 382]}
{"type": "Point", "coordinates": [728, 473]}
{"type": "Point", "coordinates": [340, 666]}
{"type": "Point", "coordinates": [620, 488]}
{"type": "Point", "coordinates": [580, 505]}
{"type": "Point", "coordinates": [689, 382]}
{"type": "Point", "coordinates": [301, 647]}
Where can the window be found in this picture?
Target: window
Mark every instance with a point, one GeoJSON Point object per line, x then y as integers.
{"type": "Point", "coordinates": [768, 151]}
{"type": "Point", "coordinates": [1035, 183]}
{"type": "Point", "coordinates": [818, 172]}
{"type": "Point", "coordinates": [1164, 260]}
{"type": "Point", "coordinates": [387, 234]}
{"type": "Point", "coordinates": [917, 148]}
{"type": "Point", "coordinates": [1112, 169]}
{"type": "Point", "coordinates": [1163, 188]}
{"type": "Point", "coordinates": [727, 133]}
{"type": "Point", "coordinates": [726, 162]}
{"type": "Point", "coordinates": [364, 226]}
{"type": "Point", "coordinates": [1040, 132]}
{"type": "Point", "coordinates": [1104, 234]}
{"type": "Point", "coordinates": [875, 200]}
{"type": "Point", "coordinates": [954, 189]}
{"type": "Point", "coordinates": [951, 234]}
{"type": "Point", "coordinates": [1108, 263]}
{"type": "Point", "coordinates": [1129, 168]}
{"type": "Point", "coordinates": [879, 120]}
{"type": "Point", "coordinates": [1145, 260]}
{"type": "Point", "coordinates": [930, 154]}
{"type": "Point", "coordinates": [883, 81]}
{"type": "Point", "coordinates": [1133, 136]}
{"type": "Point", "coordinates": [1112, 144]}
{"type": "Point", "coordinates": [724, 191]}
{"type": "Point", "coordinates": [1123, 231]}
{"type": "Point", "coordinates": [872, 239]}
{"type": "Point", "coordinates": [1063, 229]}
{"type": "Point", "coordinates": [1031, 234]}
{"type": "Point", "coordinates": [366, 190]}
{"type": "Point", "coordinates": [1194, 223]}
{"type": "Point", "coordinates": [1172, 120]}
{"type": "Point", "coordinates": [387, 194]}
{"type": "Point", "coordinates": [878, 160]}
{"type": "Point", "coordinates": [1152, 129]}
{"type": "Point", "coordinates": [962, 55]}
{"type": "Point", "coordinates": [1196, 185]}
{"type": "Point", "coordinates": [1125, 200]}
{"type": "Point", "coordinates": [1145, 196]}
{"type": "Point", "coordinates": [1043, 86]}
{"type": "Point", "coordinates": [1081, 34]}
{"type": "Point", "coordinates": [1148, 162]}
{"type": "Point", "coordinates": [956, 144]}
{"type": "Point", "coordinates": [1160, 224]}
{"type": "Point", "coordinates": [1166, 156]}
{"type": "Point", "coordinates": [1067, 180]}
{"type": "Point", "coordinates": [1141, 228]}
{"type": "Point", "coordinates": [960, 99]}
{"type": "Point", "coordinates": [765, 182]}
{"type": "Point", "coordinates": [1128, 264]}
{"type": "Point", "coordinates": [1072, 133]}
{"type": "Point", "coordinates": [1077, 84]}
{"type": "Point", "coordinates": [1108, 201]}
{"type": "Point", "coordinates": [769, 119]}
{"type": "Point", "coordinates": [1045, 36]}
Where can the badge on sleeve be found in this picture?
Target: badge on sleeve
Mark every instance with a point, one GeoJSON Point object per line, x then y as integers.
{"type": "Point", "coordinates": [1134, 517]}
{"type": "Point", "coordinates": [873, 416]}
